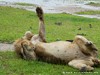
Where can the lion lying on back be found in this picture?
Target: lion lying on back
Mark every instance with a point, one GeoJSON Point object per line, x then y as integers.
{"type": "Point", "coordinates": [80, 54]}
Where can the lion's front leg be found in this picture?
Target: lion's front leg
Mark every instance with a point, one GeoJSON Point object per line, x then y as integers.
{"type": "Point", "coordinates": [80, 64]}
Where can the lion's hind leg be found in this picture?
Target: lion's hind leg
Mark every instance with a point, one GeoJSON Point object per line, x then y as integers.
{"type": "Point", "coordinates": [80, 64]}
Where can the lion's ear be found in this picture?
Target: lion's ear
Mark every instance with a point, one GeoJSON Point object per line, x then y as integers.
{"type": "Point", "coordinates": [89, 43]}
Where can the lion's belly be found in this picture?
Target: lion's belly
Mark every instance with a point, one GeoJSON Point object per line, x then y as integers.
{"type": "Point", "coordinates": [62, 50]}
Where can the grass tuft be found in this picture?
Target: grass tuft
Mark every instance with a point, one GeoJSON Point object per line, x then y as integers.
{"type": "Point", "coordinates": [90, 12]}
{"type": "Point", "coordinates": [94, 4]}
{"type": "Point", "coordinates": [26, 4]}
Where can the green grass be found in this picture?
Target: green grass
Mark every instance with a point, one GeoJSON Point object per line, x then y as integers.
{"type": "Point", "coordinates": [13, 24]}
{"type": "Point", "coordinates": [90, 12]}
{"type": "Point", "coordinates": [25, 4]}
{"type": "Point", "coordinates": [10, 64]}
{"type": "Point", "coordinates": [94, 4]}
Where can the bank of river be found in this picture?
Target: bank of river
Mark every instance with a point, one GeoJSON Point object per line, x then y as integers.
{"type": "Point", "coordinates": [71, 9]}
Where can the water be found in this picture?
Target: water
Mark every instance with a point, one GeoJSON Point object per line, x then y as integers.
{"type": "Point", "coordinates": [54, 3]}
{"type": "Point", "coordinates": [56, 6]}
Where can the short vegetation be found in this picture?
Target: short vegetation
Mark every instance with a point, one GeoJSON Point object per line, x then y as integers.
{"type": "Point", "coordinates": [90, 12]}
{"type": "Point", "coordinates": [13, 24]}
{"type": "Point", "coordinates": [26, 4]}
{"type": "Point", "coordinates": [94, 4]}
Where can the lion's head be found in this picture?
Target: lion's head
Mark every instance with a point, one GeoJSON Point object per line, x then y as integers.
{"type": "Point", "coordinates": [25, 49]}
{"type": "Point", "coordinates": [28, 50]}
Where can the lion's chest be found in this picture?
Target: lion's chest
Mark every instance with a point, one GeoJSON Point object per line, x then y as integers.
{"type": "Point", "coordinates": [61, 50]}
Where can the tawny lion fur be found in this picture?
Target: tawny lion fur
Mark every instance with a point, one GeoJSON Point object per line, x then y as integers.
{"type": "Point", "coordinates": [80, 54]}
{"type": "Point", "coordinates": [29, 36]}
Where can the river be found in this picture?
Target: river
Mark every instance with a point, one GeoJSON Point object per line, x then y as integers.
{"type": "Point", "coordinates": [58, 6]}
{"type": "Point", "coordinates": [54, 3]}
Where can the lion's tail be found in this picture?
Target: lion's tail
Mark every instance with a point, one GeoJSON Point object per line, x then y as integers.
{"type": "Point", "coordinates": [39, 12]}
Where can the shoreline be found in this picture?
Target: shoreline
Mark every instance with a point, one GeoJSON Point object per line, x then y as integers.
{"type": "Point", "coordinates": [70, 9]}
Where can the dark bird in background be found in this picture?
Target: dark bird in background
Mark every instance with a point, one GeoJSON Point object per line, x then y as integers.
{"type": "Point", "coordinates": [58, 23]}
{"type": "Point", "coordinates": [90, 25]}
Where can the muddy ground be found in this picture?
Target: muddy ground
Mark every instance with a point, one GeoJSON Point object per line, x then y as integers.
{"type": "Point", "coordinates": [6, 47]}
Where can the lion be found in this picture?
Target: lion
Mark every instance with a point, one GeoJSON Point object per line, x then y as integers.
{"type": "Point", "coordinates": [79, 53]}
{"type": "Point", "coordinates": [29, 36]}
